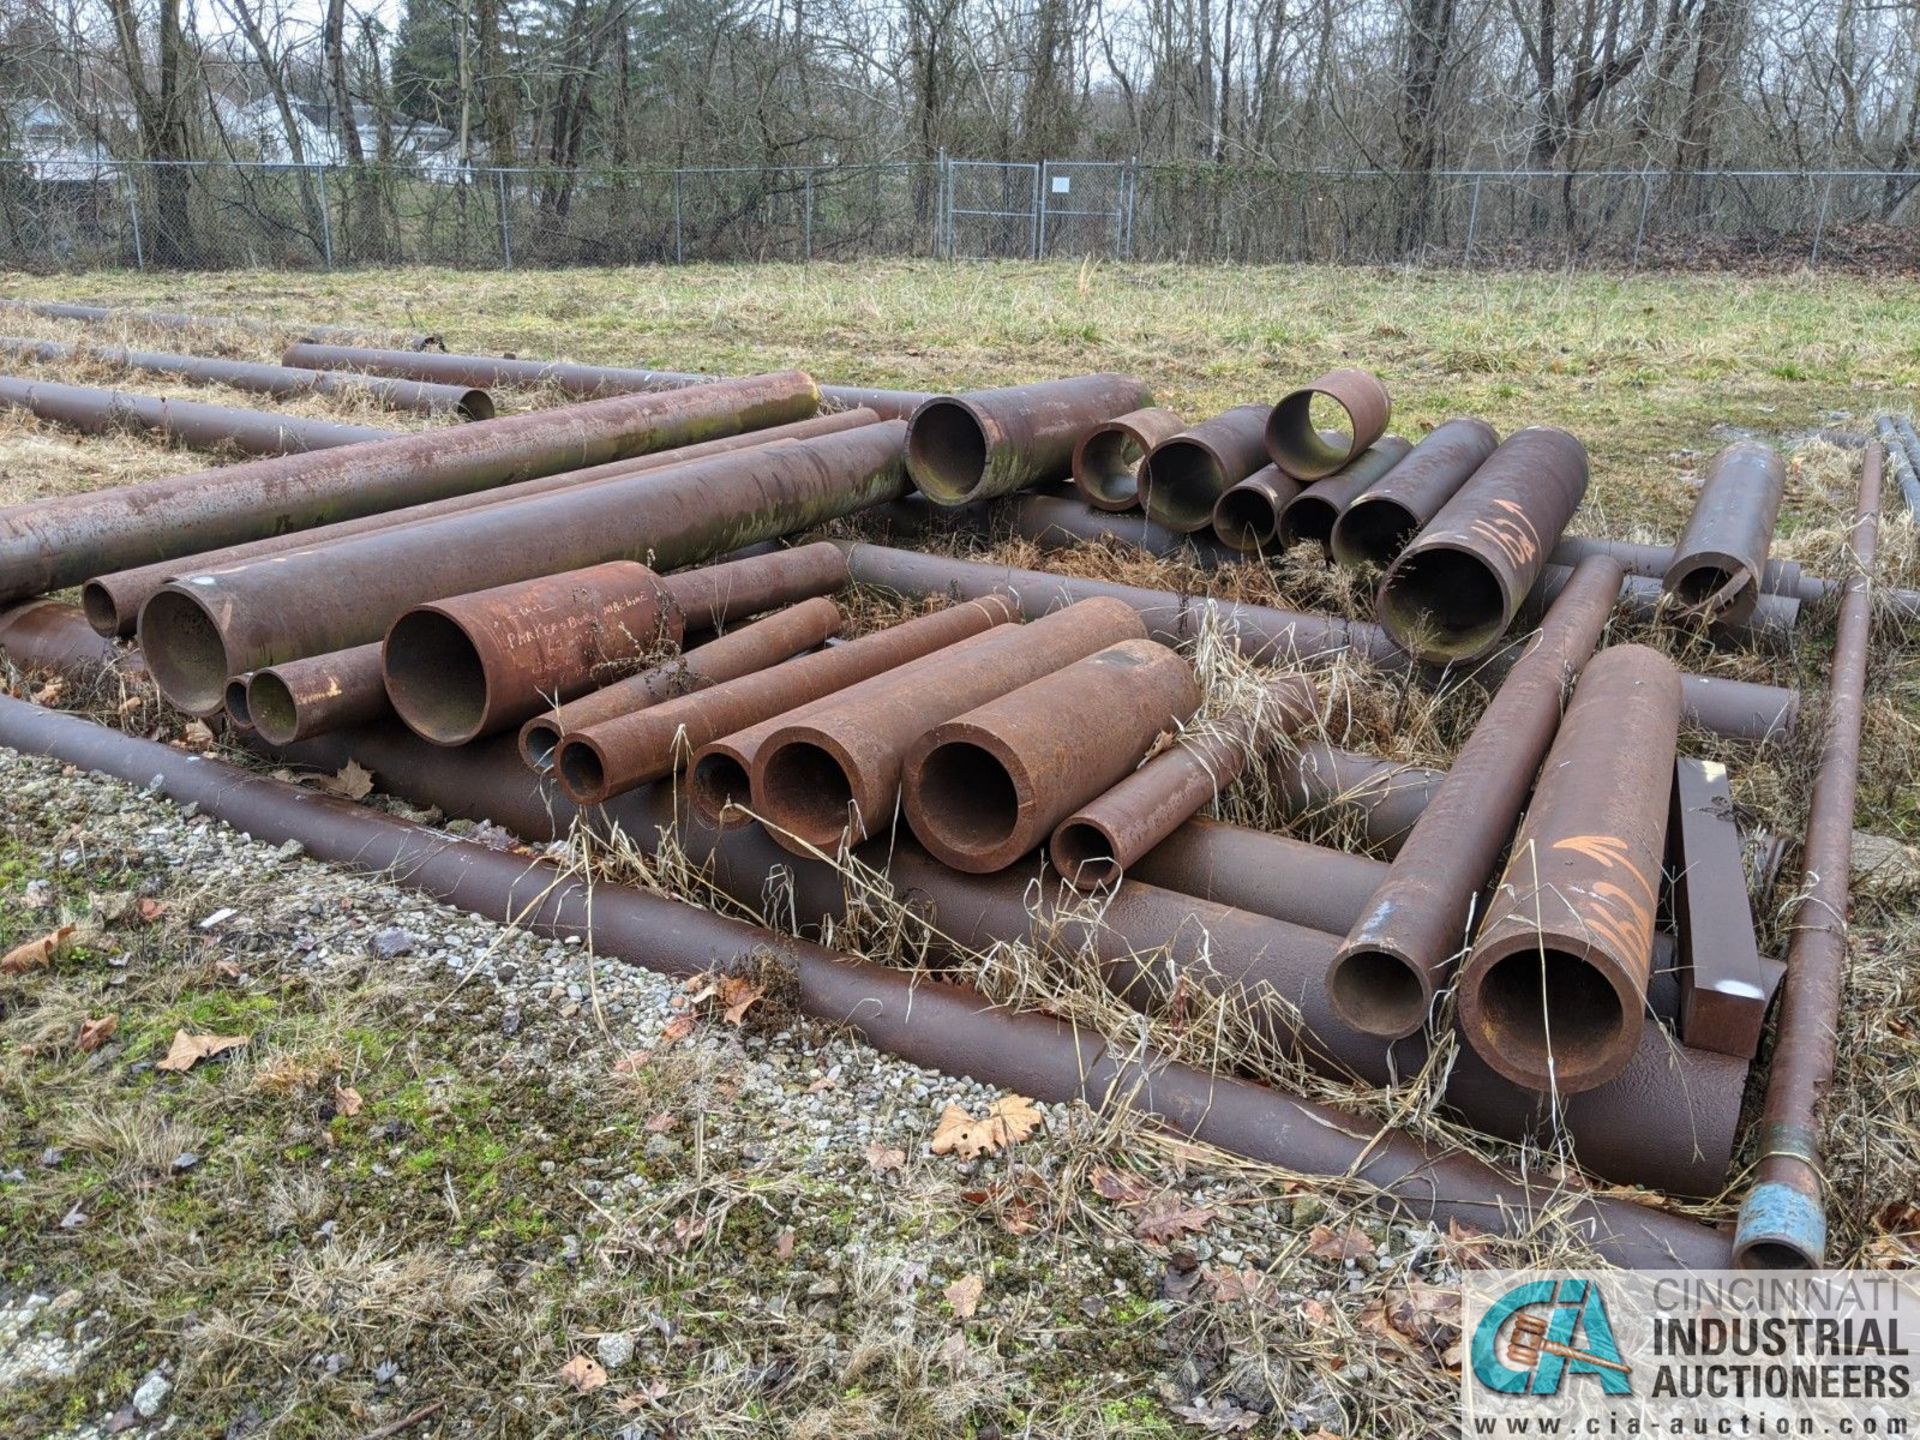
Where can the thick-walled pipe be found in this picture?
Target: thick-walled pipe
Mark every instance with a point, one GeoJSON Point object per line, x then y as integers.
{"type": "Point", "coordinates": [969, 447]}
{"type": "Point", "coordinates": [51, 543]}
{"type": "Point", "coordinates": [1783, 1221]}
{"type": "Point", "coordinates": [1298, 442]}
{"type": "Point", "coordinates": [113, 601]}
{"type": "Point", "coordinates": [987, 787]}
{"type": "Point", "coordinates": [174, 320]}
{"type": "Point", "coordinates": [745, 651]}
{"type": "Point", "coordinates": [1380, 799]}
{"type": "Point", "coordinates": [200, 426]}
{"type": "Point", "coordinates": [53, 635]}
{"type": "Point", "coordinates": [1724, 987]}
{"type": "Point", "coordinates": [1554, 992]}
{"type": "Point", "coordinates": [303, 698]}
{"type": "Point", "coordinates": [202, 627]}
{"type": "Point", "coordinates": [585, 381]}
{"type": "Point", "coordinates": [1106, 462]}
{"type": "Point", "coordinates": [1721, 559]}
{"type": "Point", "coordinates": [926, 1023]}
{"type": "Point", "coordinates": [1247, 516]}
{"type": "Point", "coordinates": [832, 776]}
{"type": "Point", "coordinates": [1310, 516]}
{"type": "Point", "coordinates": [1452, 593]}
{"type": "Point", "coordinates": [1108, 836]}
{"type": "Point", "coordinates": [1184, 476]}
{"type": "Point", "coordinates": [283, 381]}
{"type": "Point", "coordinates": [1311, 885]}
{"type": "Point", "coordinates": [1383, 520]}
{"type": "Point", "coordinates": [617, 754]}
{"type": "Point", "coordinates": [1396, 956]}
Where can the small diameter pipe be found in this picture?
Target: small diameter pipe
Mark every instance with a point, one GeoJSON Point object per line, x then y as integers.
{"type": "Point", "coordinates": [1185, 475]}
{"type": "Point", "coordinates": [1382, 520]}
{"type": "Point", "coordinates": [1554, 992]}
{"type": "Point", "coordinates": [1310, 516]}
{"type": "Point", "coordinates": [1394, 959]}
{"type": "Point", "coordinates": [175, 320]}
{"type": "Point", "coordinates": [969, 447]}
{"type": "Point", "coordinates": [303, 698]}
{"type": "Point", "coordinates": [192, 423]}
{"type": "Point", "coordinates": [1247, 516]}
{"type": "Point", "coordinates": [1378, 799]}
{"type": "Point", "coordinates": [238, 714]}
{"type": "Point", "coordinates": [1721, 560]}
{"type": "Point", "coordinates": [1106, 462]}
{"type": "Point", "coordinates": [1296, 438]}
{"type": "Point", "coordinates": [986, 788]}
{"type": "Point", "coordinates": [1783, 1220]}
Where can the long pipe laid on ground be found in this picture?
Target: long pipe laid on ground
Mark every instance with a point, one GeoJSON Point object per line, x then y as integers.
{"type": "Point", "coordinates": [1783, 1221]}
{"type": "Point", "coordinates": [95, 411]}
{"type": "Point", "coordinates": [279, 380]}
{"type": "Point", "coordinates": [962, 448]}
{"type": "Point", "coordinates": [174, 320]}
{"type": "Point", "coordinates": [928, 1023]}
{"type": "Point", "coordinates": [48, 544]}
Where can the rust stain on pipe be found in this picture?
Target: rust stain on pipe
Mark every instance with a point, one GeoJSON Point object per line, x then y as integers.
{"type": "Point", "coordinates": [1184, 476]}
{"type": "Point", "coordinates": [1298, 444]}
{"type": "Point", "coordinates": [53, 635]}
{"type": "Point", "coordinates": [94, 411]}
{"type": "Point", "coordinates": [715, 595]}
{"type": "Point", "coordinates": [303, 698]}
{"type": "Point", "coordinates": [1382, 520]}
{"type": "Point", "coordinates": [1554, 991]}
{"type": "Point", "coordinates": [1310, 516]}
{"type": "Point", "coordinates": [1106, 462]}
{"type": "Point", "coordinates": [1721, 561]}
{"type": "Point", "coordinates": [1247, 516]}
{"type": "Point", "coordinates": [984, 443]}
{"type": "Point", "coordinates": [987, 787]}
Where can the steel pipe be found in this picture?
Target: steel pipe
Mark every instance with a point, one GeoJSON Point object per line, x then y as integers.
{"type": "Point", "coordinates": [1379, 799]}
{"type": "Point", "coordinates": [1297, 440]}
{"type": "Point", "coordinates": [203, 627]}
{"type": "Point", "coordinates": [1783, 1220]}
{"type": "Point", "coordinates": [303, 698]}
{"type": "Point", "coordinates": [1721, 559]}
{"type": "Point", "coordinates": [1106, 462]}
{"type": "Point", "coordinates": [1274, 875]}
{"type": "Point", "coordinates": [969, 447]}
{"type": "Point", "coordinates": [1310, 516]}
{"type": "Point", "coordinates": [1247, 516]}
{"type": "Point", "coordinates": [280, 380]}
{"type": "Point", "coordinates": [191, 423]}
{"type": "Point", "coordinates": [1383, 520]}
{"type": "Point", "coordinates": [1394, 959]}
{"type": "Point", "coordinates": [1185, 475]}
{"type": "Point", "coordinates": [173, 320]}
{"type": "Point", "coordinates": [987, 787]}
{"type": "Point", "coordinates": [53, 635]}
{"type": "Point", "coordinates": [1769, 626]}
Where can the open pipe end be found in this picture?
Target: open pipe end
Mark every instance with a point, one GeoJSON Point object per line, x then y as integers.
{"type": "Point", "coordinates": [539, 738]}
{"type": "Point", "coordinates": [581, 769]}
{"type": "Point", "coordinates": [964, 805]}
{"type": "Point", "coordinates": [185, 653]}
{"type": "Point", "coordinates": [1106, 467]}
{"type": "Point", "coordinates": [1083, 854]}
{"type": "Point", "coordinates": [1310, 434]}
{"type": "Point", "coordinates": [103, 612]}
{"type": "Point", "coordinates": [475, 405]}
{"type": "Point", "coordinates": [1373, 531]}
{"type": "Point", "coordinates": [1180, 482]}
{"type": "Point", "coordinates": [435, 677]}
{"type": "Point", "coordinates": [235, 701]}
{"type": "Point", "coordinates": [275, 713]}
{"type": "Point", "coordinates": [1378, 993]}
{"type": "Point", "coordinates": [1443, 605]}
{"type": "Point", "coordinates": [807, 792]}
{"type": "Point", "coordinates": [1547, 1019]}
{"type": "Point", "coordinates": [1780, 1228]}
{"type": "Point", "coordinates": [946, 450]}
{"type": "Point", "coordinates": [1307, 520]}
{"type": "Point", "coordinates": [1243, 518]}
{"type": "Point", "coordinates": [717, 782]}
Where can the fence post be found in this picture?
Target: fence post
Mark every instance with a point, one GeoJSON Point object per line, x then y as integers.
{"type": "Point", "coordinates": [1646, 204]}
{"type": "Point", "coordinates": [133, 214]}
{"type": "Point", "coordinates": [1130, 182]}
{"type": "Point", "coordinates": [1820, 225]}
{"type": "Point", "coordinates": [679, 249]}
{"type": "Point", "coordinates": [1039, 206]}
{"type": "Point", "coordinates": [503, 197]}
{"type": "Point", "coordinates": [809, 227]}
{"type": "Point", "coordinates": [326, 214]}
{"type": "Point", "coordinates": [1473, 219]}
{"type": "Point", "coordinates": [943, 207]}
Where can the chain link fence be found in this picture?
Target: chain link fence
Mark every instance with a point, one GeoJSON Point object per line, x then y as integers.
{"type": "Point", "coordinates": [221, 215]}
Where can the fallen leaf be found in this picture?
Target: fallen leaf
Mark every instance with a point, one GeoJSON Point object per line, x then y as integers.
{"type": "Point", "coordinates": [95, 1033]}
{"type": "Point", "coordinates": [197, 734]}
{"type": "Point", "coordinates": [689, 1228]}
{"type": "Point", "coordinates": [1246, 1284]}
{"type": "Point", "coordinates": [1427, 1314]}
{"type": "Point", "coordinates": [663, 1122]}
{"type": "Point", "coordinates": [1119, 1186]}
{"type": "Point", "coordinates": [1165, 1218]}
{"type": "Point", "coordinates": [50, 692]}
{"type": "Point", "coordinates": [953, 1351]}
{"type": "Point", "coordinates": [35, 953]}
{"type": "Point", "coordinates": [885, 1157]}
{"type": "Point", "coordinates": [964, 1295]}
{"type": "Point", "coordinates": [632, 1063]}
{"type": "Point", "coordinates": [1349, 1244]}
{"type": "Point", "coordinates": [188, 1050]}
{"type": "Point", "coordinates": [783, 1244]}
{"type": "Point", "coordinates": [821, 1086]}
{"type": "Point", "coordinates": [1222, 1417]}
{"type": "Point", "coordinates": [737, 995]}
{"type": "Point", "coordinates": [677, 1029]}
{"type": "Point", "coordinates": [1009, 1119]}
{"type": "Point", "coordinates": [584, 1373]}
{"type": "Point", "coordinates": [346, 1101]}
{"type": "Point", "coordinates": [37, 896]}
{"type": "Point", "coordinates": [353, 782]}
{"type": "Point", "coordinates": [151, 910]}
{"type": "Point", "coordinates": [652, 1393]}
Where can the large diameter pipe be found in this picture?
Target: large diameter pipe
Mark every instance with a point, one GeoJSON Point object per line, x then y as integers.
{"type": "Point", "coordinates": [969, 447]}
{"type": "Point", "coordinates": [1298, 440]}
{"type": "Point", "coordinates": [585, 381]}
{"type": "Point", "coordinates": [1246, 517]}
{"type": "Point", "coordinates": [1721, 559]}
{"type": "Point", "coordinates": [1394, 959]}
{"type": "Point", "coordinates": [1382, 520]}
{"type": "Point", "coordinates": [53, 635]}
{"type": "Point", "coordinates": [1106, 462]}
{"type": "Point", "coordinates": [52, 543]}
{"type": "Point", "coordinates": [94, 411]}
{"type": "Point", "coordinates": [283, 381]}
{"type": "Point", "coordinates": [1554, 992]}
{"type": "Point", "coordinates": [303, 698]}
{"type": "Point", "coordinates": [987, 787]}
{"type": "Point", "coordinates": [749, 649]}
{"type": "Point", "coordinates": [202, 627]}
{"type": "Point", "coordinates": [615, 755]}
{"type": "Point", "coordinates": [1184, 476]}
{"type": "Point", "coordinates": [832, 777]}
{"type": "Point", "coordinates": [1310, 516]}
{"type": "Point", "coordinates": [924, 1022]}
{"type": "Point", "coordinates": [1783, 1220]}
{"type": "Point", "coordinates": [113, 601]}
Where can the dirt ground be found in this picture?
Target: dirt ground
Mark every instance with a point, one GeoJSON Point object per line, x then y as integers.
{"type": "Point", "coordinates": [458, 1169]}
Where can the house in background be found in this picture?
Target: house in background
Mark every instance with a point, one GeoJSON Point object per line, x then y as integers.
{"type": "Point", "coordinates": [51, 148]}
{"type": "Point", "coordinates": [256, 126]}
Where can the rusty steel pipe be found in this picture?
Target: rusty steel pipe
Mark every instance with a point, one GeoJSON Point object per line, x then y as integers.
{"type": "Point", "coordinates": [1051, 520]}
{"type": "Point", "coordinates": [192, 423]}
{"type": "Point", "coordinates": [712, 596]}
{"type": "Point", "coordinates": [1394, 959]}
{"type": "Point", "coordinates": [584, 381]}
{"type": "Point", "coordinates": [202, 627]}
{"type": "Point", "coordinates": [1452, 593]}
{"type": "Point", "coordinates": [52, 543]}
{"type": "Point", "coordinates": [1185, 475]}
{"type": "Point", "coordinates": [279, 380]}
{"type": "Point", "coordinates": [962, 448]}
{"type": "Point", "coordinates": [836, 771]}
{"type": "Point", "coordinates": [927, 1023]}
{"type": "Point", "coordinates": [1721, 560]}
{"type": "Point", "coordinates": [1106, 462]}
{"type": "Point", "coordinates": [1274, 875]}
{"type": "Point", "coordinates": [113, 601]}
{"type": "Point", "coordinates": [174, 320]}
{"type": "Point", "coordinates": [1770, 625]}
{"type": "Point", "coordinates": [614, 755]}
{"type": "Point", "coordinates": [1299, 442]}
{"type": "Point", "coordinates": [1783, 1220]}
{"type": "Point", "coordinates": [1246, 517]}
{"type": "Point", "coordinates": [1379, 799]}
{"type": "Point", "coordinates": [53, 635]}
{"type": "Point", "coordinates": [1554, 991]}
{"type": "Point", "coordinates": [1382, 520]}
{"type": "Point", "coordinates": [746, 651]}
{"type": "Point", "coordinates": [1106, 837]}
{"type": "Point", "coordinates": [303, 698]}
{"type": "Point", "coordinates": [1310, 516]}
{"type": "Point", "coordinates": [987, 787]}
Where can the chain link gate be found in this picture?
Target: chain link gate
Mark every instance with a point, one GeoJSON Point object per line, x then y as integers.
{"type": "Point", "coordinates": [1086, 208]}
{"type": "Point", "coordinates": [993, 210]}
